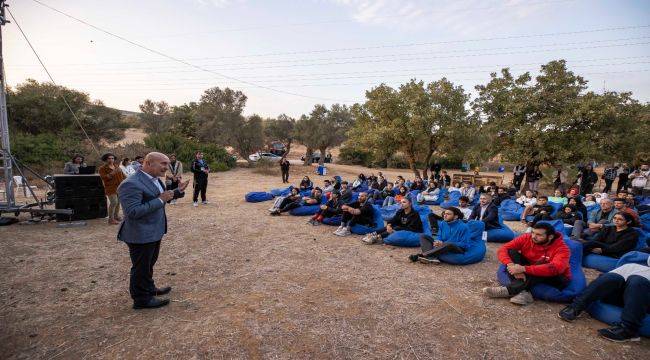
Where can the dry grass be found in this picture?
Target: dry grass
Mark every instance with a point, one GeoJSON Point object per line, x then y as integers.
{"type": "Point", "coordinates": [247, 285]}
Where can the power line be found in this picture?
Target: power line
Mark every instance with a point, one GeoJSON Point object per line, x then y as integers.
{"type": "Point", "coordinates": [52, 79]}
{"type": "Point", "coordinates": [181, 60]}
{"type": "Point", "coordinates": [365, 48]}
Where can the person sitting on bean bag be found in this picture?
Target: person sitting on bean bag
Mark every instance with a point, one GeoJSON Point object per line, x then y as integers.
{"type": "Point", "coordinates": [402, 193]}
{"type": "Point", "coordinates": [385, 193]}
{"type": "Point", "coordinates": [558, 197]}
{"type": "Point", "coordinates": [284, 201]}
{"type": "Point", "coordinates": [502, 194]}
{"type": "Point", "coordinates": [430, 193]}
{"type": "Point", "coordinates": [306, 184]}
{"type": "Point", "coordinates": [531, 259]}
{"type": "Point", "coordinates": [614, 241]}
{"type": "Point", "coordinates": [327, 186]}
{"type": "Point", "coordinates": [453, 236]}
{"type": "Point", "coordinates": [346, 192]}
{"type": "Point", "coordinates": [330, 209]}
{"type": "Point", "coordinates": [361, 179]}
{"type": "Point", "coordinates": [568, 215]}
{"type": "Point", "coordinates": [463, 206]}
{"type": "Point", "coordinates": [627, 286]}
{"type": "Point", "coordinates": [487, 212]}
{"type": "Point", "coordinates": [314, 198]}
{"type": "Point", "coordinates": [597, 221]}
{"type": "Point", "coordinates": [406, 219]}
{"type": "Point", "coordinates": [540, 211]}
{"type": "Point", "coordinates": [528, 199]}
{"type": "Point", "coordinates": [417, 184]}
{"type": "Point", "coordinates": [620, 205]}
{"type": "Point", "coordinates": [358, 212]}
{"type": "Point", "coordinates": [468, 190]}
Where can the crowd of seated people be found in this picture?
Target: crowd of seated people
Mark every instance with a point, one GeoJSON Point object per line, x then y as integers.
{"type": "Point", "coordinates": [604, 225]}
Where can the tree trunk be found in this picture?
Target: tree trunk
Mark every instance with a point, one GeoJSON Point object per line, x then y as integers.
{"type": "Point", "coordinates": [411, 159]}
{"type": "Point", "coordinates": [308, 156]}
{"type": "Point", "coordinates": [432, 148]}
{"type": "Point", "coordinates": [288, 148]}
{"type": "Point", "coordinates": [321, 161]}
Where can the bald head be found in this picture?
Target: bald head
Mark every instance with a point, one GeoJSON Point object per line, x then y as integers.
{"type": "Point", "coordinates": [155, 164]}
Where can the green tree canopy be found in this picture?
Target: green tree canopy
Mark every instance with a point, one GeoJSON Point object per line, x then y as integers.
{"type": "Point", "coordinates": [323, 128]}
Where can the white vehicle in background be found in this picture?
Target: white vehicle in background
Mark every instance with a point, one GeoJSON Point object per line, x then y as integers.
{"type": "Point", "coordinates": [264, 155]}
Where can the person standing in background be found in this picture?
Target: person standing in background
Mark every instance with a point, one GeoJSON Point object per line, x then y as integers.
{"type": "Point", "coordinates": [609, 176]}
{"type": "Point", "coordinates": [623, 173]}
{"type": "Point", "coordinates": [112, 176]}
{"type": "Point", "coordinates": [200, 169]}
{"type": "Point", "coordinates": [127, 170]}
{"type": "Point", "coordinates": [560, 178]}
{"type": "Point", "coordinates": [284, 168]}
{"type": "Point", "coordinates": [518, 176]}
{"type": "Point", "coordinates": [174, 175]}
{"type": "Point", "coordinates": [72, 166]}
{"type": "Point", "coordinates": [136, 165]}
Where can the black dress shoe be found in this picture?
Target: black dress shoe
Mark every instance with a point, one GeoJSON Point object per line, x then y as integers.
{"type": "Point", "coordinates": [151, 304]}
{"type": "Point", "coordinates": [162, 291]}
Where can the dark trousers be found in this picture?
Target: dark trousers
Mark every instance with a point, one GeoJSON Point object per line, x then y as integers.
{"type": "Point", "coordinates": [285, 176]}
{"type": "Point", "coordinates": [516, 181]}
{"type": "Point", "coordinates": [143, 258]}
{"type": "Point", "coordinates": [428, 250]}
{"type": "Point", "coordinates": [611, 288]}
{"type": "Point", "coordinates": [622, 183]}
{"type": "Point", "coordinates": [200, 186]}
{"type": "Point", "coordinates": [433, 222]}
{"type": "Point", "coordinates": [586, 189]}
{"type": "Point", "coordinates": [289, 206]}
{"type": "Point", "coordinates": [517, 285]}
{"type": "Point", "coordinates": [608, 185]}
{"type": "Point", "coordinates": [328, 213]}
{"type": "Point", "coordinates": [349, 220]}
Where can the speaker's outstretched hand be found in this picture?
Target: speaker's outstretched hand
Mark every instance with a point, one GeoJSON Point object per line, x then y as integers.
{"type": "Point", "coordinates": [183, 185]}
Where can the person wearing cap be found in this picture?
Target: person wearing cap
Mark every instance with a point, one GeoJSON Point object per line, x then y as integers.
{"type": "Point", "coordinates": [330, 209]}
{"type": "Point", "coordinates": [538, 257]}
{"type": "Point", "coordinates": [453, 236]}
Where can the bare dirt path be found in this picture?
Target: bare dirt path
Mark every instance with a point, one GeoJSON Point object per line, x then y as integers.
{"type": "Point", "coordinates": [247, 285]}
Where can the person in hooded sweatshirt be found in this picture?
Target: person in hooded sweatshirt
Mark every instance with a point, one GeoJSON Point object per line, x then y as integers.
{"type": "Point", "coordinates": [406, 219]}
{"type": "Point", "coordinates": [453, 236]}
{"type": "Point", "coordinates": [540, 257]}
{"type": "Point", "coordinates": [627, 286]}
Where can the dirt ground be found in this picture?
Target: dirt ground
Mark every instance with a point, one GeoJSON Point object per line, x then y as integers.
{"type": "Point", "coordinates": [250, 286]}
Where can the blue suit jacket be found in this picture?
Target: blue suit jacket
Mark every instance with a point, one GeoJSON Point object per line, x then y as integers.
{"type": "Point", "coordinates": [144, 213]}
{"type": "Point", "coordinates": [490, 218]}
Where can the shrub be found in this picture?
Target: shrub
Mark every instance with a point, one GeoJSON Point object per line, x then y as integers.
{"type": "Point", "coordinates": [398, 161]}
{"type": "Point", "coordinates": [353, 156]}
{"type": "Point", "coordinates": [217, 157]}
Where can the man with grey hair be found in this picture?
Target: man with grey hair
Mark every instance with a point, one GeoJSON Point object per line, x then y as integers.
{"type": "Point", "coordinates": [143, 198]}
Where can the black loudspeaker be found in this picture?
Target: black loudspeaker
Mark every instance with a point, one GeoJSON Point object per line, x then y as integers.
{"type": "Point", "coordinates": [84, 194]}
{"type": "Point", "coordinates": [78, 186]}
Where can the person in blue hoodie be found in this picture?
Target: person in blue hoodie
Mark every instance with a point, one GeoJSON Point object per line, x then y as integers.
{"type": "Point", "coordinates": [453, 236]}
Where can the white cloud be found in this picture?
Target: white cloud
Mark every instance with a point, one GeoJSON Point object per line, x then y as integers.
{"type": "Point", "coordinates": [219, 3]}
{"type": "Point", "coordinates": [464, 17]}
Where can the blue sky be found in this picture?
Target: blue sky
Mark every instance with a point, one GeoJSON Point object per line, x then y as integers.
{"type": "Point", "coordinates": [291, 55]}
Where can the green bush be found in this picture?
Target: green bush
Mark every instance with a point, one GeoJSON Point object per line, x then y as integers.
{"type": "Point", "coordinates": [39, 149]}
{"type": "Point", "coordinates": [216, 156]}
{"type": "Point", "coordinates": [352, 156]}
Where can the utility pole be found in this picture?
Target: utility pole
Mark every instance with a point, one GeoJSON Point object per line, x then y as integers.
{"type": "Point", "coordinates": [6, 160]}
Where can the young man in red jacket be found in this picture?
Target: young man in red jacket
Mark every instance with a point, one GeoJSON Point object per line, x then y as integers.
{"type": "Point", "coordinates": [531, 259]}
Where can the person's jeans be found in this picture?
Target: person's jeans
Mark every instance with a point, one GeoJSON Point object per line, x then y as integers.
{"type": "Point", "coordinates": [200, 187]}
{"type": "Point", "coordinates": [113, 207]}
{"type": "Point", "coordinates": [285, 176]}
{"type": "Point", "coordinates": [428, 250]}
{"type": "Point", "coordinates": [608, 185]}
{"type": "Point", "coordinates": [143, 259]}
{"type": "Point", "coordinates": [612, 288]}
{"type": "Point", "coordinates": [518, 285]}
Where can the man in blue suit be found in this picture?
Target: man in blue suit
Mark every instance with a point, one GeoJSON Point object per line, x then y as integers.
{"type": "Point", "coordinates": [143, 199]}
{"type": "Point", "coordinates": [487, 212]}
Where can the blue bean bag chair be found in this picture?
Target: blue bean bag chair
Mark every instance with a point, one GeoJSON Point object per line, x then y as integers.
{"type": "Point", "coordinates": [502, 234]}
{"type": "Point", "coordinates": [452, 201]}
{"type": "Point", "coordinates": [606, 263]}
{"type": "Point", "coordinates": [475, 253]}
{"type": "Point", "coordinates": [413, 196]}
{"type": "Point", "coordinates": [355, 197]}
{"type": "Point", "coordinates": [645, 222]}
{"type": "Point", "coordinates": [550, 293]}
{"type": "Point", "coordinates": [305, 192]}
{"type": "Point", "coordinates": [556, 207]}
{"type": "Point", "coordinates": [510, 210]}
{"type": "Point", "coordinates": [474, 200]}
{"type": "Point", "coordinates": [258, 196]}
{"type": "Point", "coordinates": [333, 221]}
{"type": "Point", "coordinates": [389, 211]}
{"type": "Point", "coordinates": [633, 257]}
{"type": "Point", "coordinates": [410, 238]}
{"type": "Point", "coordinates": [591, 208]}
{"type": "Point", "coordinates": [281, 191]}
{"type": "Point", "coordinates": [379, 202]}
{"type": "Point", "coordinates": [363, 229]}
{"type": "Point", "coordinates": [611, 314]}
{"type": "Point", "coordinates": [305, 210]}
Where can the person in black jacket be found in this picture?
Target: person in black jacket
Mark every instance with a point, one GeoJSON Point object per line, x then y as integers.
{"type": "Point", "coordinates": [567, 214]}
{"type": "Point", "coordinates": [614, 241]}
{"type": "Point", "coordinates": [588, 178]}
{"type": "Point", "coordinates": [284, 168]}
{"type": "Point", "coordinates": [502, 194]}
{"type": "Point", "coordinates": [346, 192]}
{"type": "Point", "coordinates": [540, 211]}
{"type": "Point", "coordinates": [306, 184]}
{"type": "Point", "coordinates": [487, 212]}
{"type": "Point", "coordinates": [200, 169]}
{"type": "Point", "coordinates": [359, 212]}
{"type": "Point", "coordinates": [406, 219]}
{"type": "Point", "coordinates": [330, 209]}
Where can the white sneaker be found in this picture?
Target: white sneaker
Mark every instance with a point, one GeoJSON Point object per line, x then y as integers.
{"type": "Point", "coordinates": [370, 238]}
{"type": "Point", "coordinates": [204, 202]}
{"type": "Point", "coordinates": [344, 232]}
{"type": "Point", "coordinates": [523, 298]}
{"type": "Point", "coordinates": [338, 230]}
{"type": "Point", "coordinates": [196, 204]}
